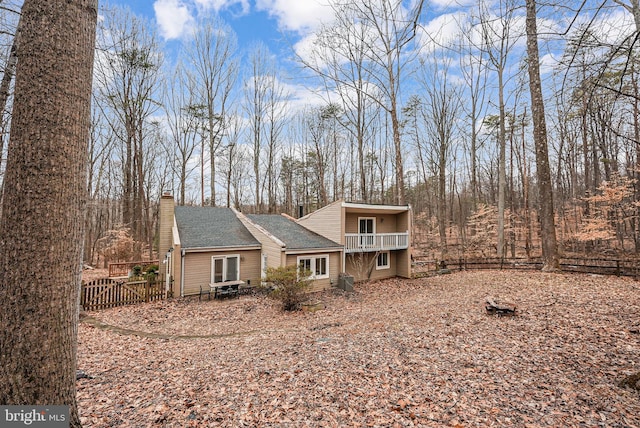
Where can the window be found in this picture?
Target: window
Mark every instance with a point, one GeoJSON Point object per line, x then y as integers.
{"type": "Point", "coordinates": [225, 269]}
{"type": "Point", "coordinates": [383, 260]}
{"type": "Point", "coordinates": [304, 265]}
{"type": "Point", "coordinates": [367, 230]}
{"type": "Point", "coordinates": [318, 266]}
{"type": "Point", "coordinates": [321, 267]}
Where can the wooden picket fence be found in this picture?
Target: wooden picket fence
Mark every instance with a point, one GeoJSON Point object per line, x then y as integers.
{"type": "Point", "coordinates": [108, 293]}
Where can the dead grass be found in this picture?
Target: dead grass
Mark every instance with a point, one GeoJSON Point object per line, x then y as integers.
{"type": "Point", "coordinates": [394, 353]}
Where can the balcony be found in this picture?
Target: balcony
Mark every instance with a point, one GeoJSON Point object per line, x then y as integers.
{"type": "Point", "coordinates": [369, 242]}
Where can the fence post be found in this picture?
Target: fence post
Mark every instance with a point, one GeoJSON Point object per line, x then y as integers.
{"type": "Point", "coordinates": [83, 294]}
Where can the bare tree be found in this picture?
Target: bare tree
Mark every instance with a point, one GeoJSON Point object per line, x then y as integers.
{"type": "Point", "coordinates": [498, 41]}
{"type": "Point", "coordinates": [42, 223]}
{"type": "Point", "coordinates": [394, 28]}
{"type": "Point", "coordinates": [323, 148]}
{"type": "Point", "coordinates": [127, 84]}
{"type": "Point", "coordinates": [183, 128]}
{"type": "Point", "coordinates": [101, 144]}
{"type": "Point", "coordinates": [274, 124]}
{"type": "Point", "coordinates": [234, 162]}
{"type": "Point", "coordinates": [374, 41]}
{"type": "Point", "coordinates": [339, 57]}
{"type": "Point", "coordinates": [633, 8]}
{"type": "Point", "coordinates": [441, 111]}
{"type": "Point", "coordinates": [474, 69]}
{"type": "Point", "coordinates": [215, 71]}
{"type": "Point", "coordinates": [265, 104]}
{"type": "Point", "coordinates": [255, 105]}
{"type": "Point", "coordinates": [545, 189]}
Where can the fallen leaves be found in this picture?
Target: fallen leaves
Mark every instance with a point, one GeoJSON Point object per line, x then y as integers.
{"type": "Point", "coordinates": [394, 353]}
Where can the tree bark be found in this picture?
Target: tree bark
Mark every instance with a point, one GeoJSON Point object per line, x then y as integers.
{"type": "Point", "coordinates": [42, 223]}
{"type": "Point", "coordinates": [547, 221]}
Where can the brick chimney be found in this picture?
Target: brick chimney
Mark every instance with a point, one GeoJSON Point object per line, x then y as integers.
{"type": "Point", "coordinates": [165, 230]}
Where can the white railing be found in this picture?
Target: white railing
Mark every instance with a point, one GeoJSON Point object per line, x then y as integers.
{"type": "Point", "coordinates": [362, 242]}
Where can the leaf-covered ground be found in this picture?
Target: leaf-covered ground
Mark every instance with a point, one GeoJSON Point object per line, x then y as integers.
{"type": "Point", "coordinates": [394, 353]}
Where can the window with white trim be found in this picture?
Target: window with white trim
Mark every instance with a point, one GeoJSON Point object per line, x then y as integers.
{"type": "Point", "coordinates": [225, 268]}
{"type": "Point", "coordinates": [317, 266]}
{"type": "Point", "coordinates": [383, 260]}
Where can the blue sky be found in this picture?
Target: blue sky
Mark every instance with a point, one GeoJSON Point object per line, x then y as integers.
{"type": "Point", "coordinates": [281, 24]}
{"type": "Point", "coordinates": [273, 21]}
{"type": "Point", "coordinates": [266, 20]}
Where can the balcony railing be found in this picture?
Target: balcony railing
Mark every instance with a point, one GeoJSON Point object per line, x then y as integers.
{"type": "Point", "coordinates": [364, 242]}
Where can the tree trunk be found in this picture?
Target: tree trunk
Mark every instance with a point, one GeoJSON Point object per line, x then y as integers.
{"type": "Point", "coordinates": [502, 176]}
{"type": "Point", "coordinates": [547, 221]}
{"type": "Point", "coordinates": [42, 225]}
{"type": "Point", "coordinates": [400, 198]}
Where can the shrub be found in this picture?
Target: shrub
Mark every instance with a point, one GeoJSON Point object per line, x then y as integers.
{"type": "Point", "coordinates": [136, 270]}
{"type": "Point", "coordinates": [288, 286]}
{"type": "Point", "coordinates": [151, 273]}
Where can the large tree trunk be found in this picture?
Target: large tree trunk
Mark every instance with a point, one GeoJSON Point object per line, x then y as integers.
{"type": "Point", "coordinates": [547, 221]}
{"type": "Point", "coordinates": [42, 224]}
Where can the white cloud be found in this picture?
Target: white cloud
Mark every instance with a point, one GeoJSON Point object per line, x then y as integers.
{"type": "Point", "coordinates": [452, 4]}
{"type": "Point", "coordinates": [318, 50]}
{"type": "Point", "coordinates": [218, 5]}
{"type": "Point", "coordinates": [173, 17]}
{"type": "Point", "coordinates": [548, 63]}
{"type": "Point", "coordinates": [614, 27]}
{"type": "Point", "coordinates": [335, 45]}
{"type": "Point", "coordinates": [442, 31]}
{"type": "Point", "coordinates": [305, 48]}
{"type": "Point", "coordinates": [301, 97]}
{"type": "Point", "coordinates": [297, 15]}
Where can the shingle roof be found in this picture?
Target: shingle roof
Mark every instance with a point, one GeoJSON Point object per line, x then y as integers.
{"type": "Point", "coordinates": [211, 227]}
{"type": "Point", "coordinates": [295, 236]}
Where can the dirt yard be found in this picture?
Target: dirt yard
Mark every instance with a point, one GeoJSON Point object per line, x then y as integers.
{"type": "Point", "coordinates": [395, 353]}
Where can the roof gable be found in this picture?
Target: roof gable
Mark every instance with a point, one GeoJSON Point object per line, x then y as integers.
{"type": "Point", "coordinates": [211, 227]}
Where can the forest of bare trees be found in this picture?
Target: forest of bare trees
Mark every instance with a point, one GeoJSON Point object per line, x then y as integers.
{"type": "Point", "coordinates": [446, 115]}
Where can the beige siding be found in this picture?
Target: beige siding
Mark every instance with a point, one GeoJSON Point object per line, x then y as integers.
{"type": "Point", "coordinates": [403, 263]}
{"type": "Point", "coordinates": [334, 269]}
{"type": "Point", "coordinates": [326, 221]}
{"type": "Point", "coordinates": [404, 257]}
{"type": "Point", "coordinates": [385, 273]}
{"type": "Point", "coordinates": [166, 225]}
{"type": "Point", "coordinates": [272, 249]}
{"type": "Point", "coordinates": [197, 268]}
{"type": "Point", "coordinates": [177, 270]}
{"type": "Point", "coordinates": [359, 265]}
{"type": "Point", "coordinates": [404, 221]}
{"type": "Point", "coordinates": [385, 223]}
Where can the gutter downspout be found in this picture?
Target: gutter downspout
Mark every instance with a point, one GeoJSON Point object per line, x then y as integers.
{"type": "Point", "coordinates": [182, 253]}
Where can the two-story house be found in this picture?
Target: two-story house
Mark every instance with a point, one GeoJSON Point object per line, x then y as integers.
{"type": "Point", "coordinates": [208, 246]}
{"type": "Point", "coordinates": [376, 238]}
